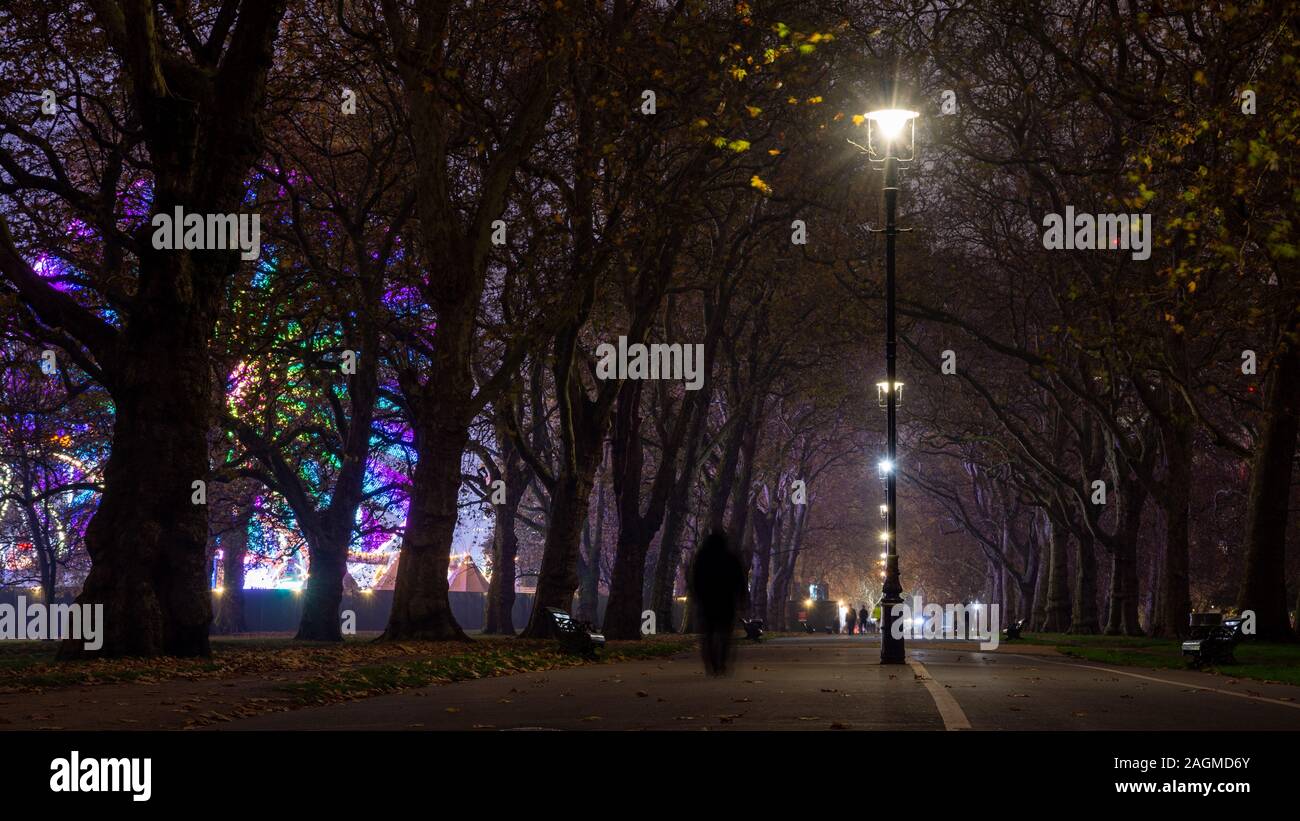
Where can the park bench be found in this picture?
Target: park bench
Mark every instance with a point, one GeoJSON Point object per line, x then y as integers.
{"type": "Point", "coordinates": [753, 628]}
{"type": "Point", "coordinates": [1015, 628]}
{"type": "Point", "coordinates": [807, 628]}
{"type": "Point", "coordinates": [1215, 646]}
{"type": "Point", "coordinates": [575, 637]}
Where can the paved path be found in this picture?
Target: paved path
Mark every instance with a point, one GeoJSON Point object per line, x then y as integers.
{"type": "Point", "coordinates": [825, 682]}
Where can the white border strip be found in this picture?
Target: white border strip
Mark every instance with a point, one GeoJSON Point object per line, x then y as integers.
{"type": "Point", "coordinates": [949, 710]}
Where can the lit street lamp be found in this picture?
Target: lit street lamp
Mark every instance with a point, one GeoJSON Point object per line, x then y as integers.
{"type": "Point", "coordinates": [891, 141]}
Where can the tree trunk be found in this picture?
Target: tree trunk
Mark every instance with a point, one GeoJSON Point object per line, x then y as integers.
{"type": "Point", "coordinates": [558, 577]}
{"type": "Point", "coordinates": [148, 540]}
{"type": "Point", "coordinates": [767, 529]}
{"type": "Point", "coordinates": [627, 583]}
{"type": "Point", "coordinates": [505, 539]}
{"type": "Point", "coordinates": [1083, 619]}
{"type": "Point", "coordinates": [1057, 611]}
{"type": "Point", "coordinates": [589, 567]}
{"type": "Point", "coordinates": [1041, 572]}
{"type": "Point", "coordinates": [421, 607]}
{"type": "Point", "coordinates": [501, 588]}
{"type": "Point", "coordinates": [1263, 582]}
{"type": "Point", "coordinates": [1173, 596]}
{"type": "Point", "coordinates": [234, 547]}
{"type": "Point", "coordinates": [668, 563]}
{"type": "Point", "coordinates": [1010, 607]}
{"type": "Point", "coordinates": [1122, 607]}
{"type": "Point", "coordinates": [323, 593]}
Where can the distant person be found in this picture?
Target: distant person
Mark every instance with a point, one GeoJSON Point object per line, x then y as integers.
{"type": "Point", "coordinates": [863, 618]}
{"type": "Point", "coordinates": [717, 587]}
{"type": "Point", "coordinates": [850, 621]}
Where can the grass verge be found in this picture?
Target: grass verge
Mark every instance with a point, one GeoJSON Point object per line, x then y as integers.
{"type": "Point", "coordinates": [475, 661]}
{"type": "Point", "coordinates": [1259, 660]}
{"type": "Point", "coordinates": [31, 667]}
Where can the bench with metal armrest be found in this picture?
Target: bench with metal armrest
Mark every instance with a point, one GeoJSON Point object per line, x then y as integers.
{"type": "Point", "coordinates": [575, 636]}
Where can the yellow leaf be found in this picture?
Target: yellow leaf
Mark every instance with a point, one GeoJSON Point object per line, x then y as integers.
{"type": "Point", "coordinates": [859, 119]}
{"type": "Point", "coordinates": [757, 182]}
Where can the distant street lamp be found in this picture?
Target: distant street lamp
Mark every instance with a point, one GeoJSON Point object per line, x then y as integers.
{"type": "Point", "coordinates": [891, 141]}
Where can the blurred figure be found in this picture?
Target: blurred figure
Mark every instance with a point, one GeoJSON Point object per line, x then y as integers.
{"type": "Point", "coordinates": [850, 621]}
{"type": "Point", "coordinates": [717, 587]}
{"type": "Point", "coordinates": [863, 618]}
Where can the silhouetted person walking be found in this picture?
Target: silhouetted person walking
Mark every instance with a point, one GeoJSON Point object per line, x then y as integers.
{"type": "Point", "coordinates": [863, 616]}
{"type": "Point", "coordinates": [717, 586]}
{"type": "Point", "coordinates": [850, 621]}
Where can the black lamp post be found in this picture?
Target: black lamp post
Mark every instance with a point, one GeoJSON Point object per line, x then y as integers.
{"type": "Point", "coordinates": [894, 128]}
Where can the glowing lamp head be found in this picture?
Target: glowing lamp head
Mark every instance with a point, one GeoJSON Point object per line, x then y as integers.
{"type": "Point", "coordinates": [891, 121]}
{"type": "Point", "coordinates": [886, 466]}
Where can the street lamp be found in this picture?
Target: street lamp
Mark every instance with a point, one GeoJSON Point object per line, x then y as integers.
{"type": "Point", "coordinates": [882, 393]}
{"type": "Point", "coordinates": [891, 141]}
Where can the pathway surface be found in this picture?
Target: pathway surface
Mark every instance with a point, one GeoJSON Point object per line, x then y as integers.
{"type": "Point", "coordinates": [825, 682]}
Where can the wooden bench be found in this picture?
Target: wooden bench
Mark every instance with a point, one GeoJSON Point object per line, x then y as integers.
{"type": "Point", "coordinates": [1216, 646]}
{"type": "Point", "coordinates": [753, 628]}
{"type": "Point", "coordinates": [575, 637]}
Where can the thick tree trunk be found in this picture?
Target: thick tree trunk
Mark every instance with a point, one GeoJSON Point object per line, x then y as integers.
{"type": "Point", "coordinates": [505, 538]}
{"type": "Point", "coordinates": [1122, 607]}
{"type": "Point", "coordinates": [558, 577]}
{"type": "Point", "coordinates": [1010, 605]}
{"type": "Point", "coordinates": [1057, 611]}
{"type": "Point", "coordinates": [993, 574]}
{"type": "Point", "coordinates": [1083, 619]}
{"type": "Point", "coordinates": [739, 531]}
{"type": "Point", "coordinates": [1263, 581]}
{"type": "Point", "coordinates": [589, 565]}
{"type": "Point", "coordinates": [627, 583]}
{"type": "Point", "coordinates": [148, 540]}
{"type": "Point", "coordinates": [234, 547]}
{"type": "Point", "coordinates": [1173, 596]}
{"type": "Point", "coordinates": [421, 607]}
{"type": "Point", "coordinates": [1038, 615]}
{"type": "Point", "coordinates": [668, 562]}
{"type": "Point", "coordinates": [501, 588]}
{"type": "Point", "coordinates": [767, 529]}
{"type": "Point", "coordinates": [323, 593]}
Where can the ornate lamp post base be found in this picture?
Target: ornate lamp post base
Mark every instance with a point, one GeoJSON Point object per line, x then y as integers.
{"type": "Point", "coordinates": [892, 650]}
